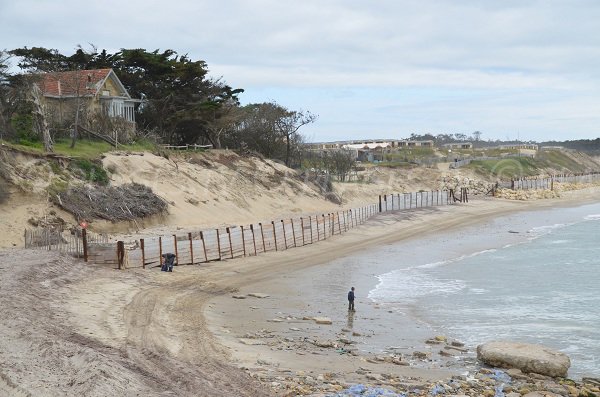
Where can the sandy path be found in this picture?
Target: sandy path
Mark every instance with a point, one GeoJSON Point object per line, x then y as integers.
{"type": "Point", "coordinates": [72, 329]}
{"type": "Point", "coordinates": [76, 330]}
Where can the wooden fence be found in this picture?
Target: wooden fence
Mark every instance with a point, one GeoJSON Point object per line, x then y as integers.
{"type": "Point", "coordinates": [276, 235]}
{"type": "Point", "coordinates": [80, 244]}
{"type": "Point", "coordinates": [548, 182]}
{"type": "Point", "coordinates": [186, 147]}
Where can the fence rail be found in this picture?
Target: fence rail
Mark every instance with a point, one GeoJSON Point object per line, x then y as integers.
{"type": "Point", "coordinates": [276, 235]}
{"type": "Point", "coordinates": [79, 243]}
{"type": "Point", "coordinates": [548, 182]}
{"type": "Point", "coordinates": [187, 147]}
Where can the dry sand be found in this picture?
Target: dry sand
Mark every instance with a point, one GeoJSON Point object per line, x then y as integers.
{"type": "Point", "coordinates": [213, 189]}
{"type": "Point", "coordinates": [72, 329]}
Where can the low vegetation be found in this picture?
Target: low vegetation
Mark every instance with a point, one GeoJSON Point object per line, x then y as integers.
{"type": "Point", "coordinates": [508, 168]}
{"type": "Point", "coordinates": [85, 148]}
{"type": "Point", "coordinates": [544, 163]}
{"type": "Point", "coordinates": [90, 171]}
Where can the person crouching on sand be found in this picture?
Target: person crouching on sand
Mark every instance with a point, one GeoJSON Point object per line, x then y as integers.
{"type": "Point", "coordinates": [351, 299]}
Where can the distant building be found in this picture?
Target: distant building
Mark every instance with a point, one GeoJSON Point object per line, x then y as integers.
{"type": "Point", "coordinates": [458, 145]}
{"type": "Point", "coordinates": [552, 148]}
{"type": "Point", "coordinates": [367, 150]}
{"type": "Point", "coordinates": [96, 90]}
{"type": "Point", "coordinates": [519, 146]}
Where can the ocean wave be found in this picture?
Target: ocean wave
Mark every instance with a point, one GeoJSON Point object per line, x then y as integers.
{"type": "Point", "coordinates": [593, 217]}
{"type": "Point", "coordinates": [405, 287]}
{"type": "Point", "coordinates": [454, 260]}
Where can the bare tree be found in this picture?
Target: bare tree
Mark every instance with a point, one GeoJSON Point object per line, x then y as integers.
{"type": "Point", "coordinates": [288, 126]}
{"type": "Point", "coordinates": [39, 118]}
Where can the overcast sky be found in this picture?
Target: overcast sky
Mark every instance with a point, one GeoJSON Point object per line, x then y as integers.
{"type": "Point", "coordinates": [527, 70]}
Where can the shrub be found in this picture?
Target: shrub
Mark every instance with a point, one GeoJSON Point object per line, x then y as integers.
{"type": "Point", "coordinates": [92, 171]}
{"type": "Point", "coordinates": [23, 126]}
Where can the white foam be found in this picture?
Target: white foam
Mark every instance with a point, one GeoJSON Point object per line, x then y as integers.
{"type": "Point", "coordinates": [453, 260]}
{"type": "Point", "coordinates": [593, 217]}
{"type": "Point", "coordinates": [541, 230]}
{"type": "Point", "coordinates": [478, 291]}
{"type": "Point", "coordinates": [403, 287]}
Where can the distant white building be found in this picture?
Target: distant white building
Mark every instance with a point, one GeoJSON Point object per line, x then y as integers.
{"type": "Point", "coordinates": [519, 146]}
{"type": "Point", "coordinates": [367, 150]}
{"type": "Point", "coordinates": [458, 145]}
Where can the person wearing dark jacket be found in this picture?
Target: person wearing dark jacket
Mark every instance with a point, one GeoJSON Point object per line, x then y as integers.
{"type": "Point", "coordinates": [351, 299]}
{"type": "Point", "coordinates": [167, 262]}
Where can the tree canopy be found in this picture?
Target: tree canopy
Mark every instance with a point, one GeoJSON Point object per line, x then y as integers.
{"type": "Point", "coordinates": [179, 102]}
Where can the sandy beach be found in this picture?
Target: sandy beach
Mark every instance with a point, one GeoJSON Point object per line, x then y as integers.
{"type": "Point", "coordinates": [275, 334]}
{"type": "Point", "coordinates": [94, 331]}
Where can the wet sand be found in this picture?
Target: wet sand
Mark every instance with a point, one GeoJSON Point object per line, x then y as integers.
{"type": "Point", "coordinates": [274, 334]}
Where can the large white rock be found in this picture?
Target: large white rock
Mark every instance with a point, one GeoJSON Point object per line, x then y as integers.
{"type": "Point", "coordinates": [526, 357]}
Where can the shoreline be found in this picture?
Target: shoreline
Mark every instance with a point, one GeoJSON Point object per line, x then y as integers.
{"type": "Point", "coordinates": [269, 335]}
{"type": "Point", "coordinates": [158, 333]}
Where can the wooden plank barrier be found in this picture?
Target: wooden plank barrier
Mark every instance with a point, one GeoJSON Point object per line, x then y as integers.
{"type": "Point", "coordinates": [240, 241]}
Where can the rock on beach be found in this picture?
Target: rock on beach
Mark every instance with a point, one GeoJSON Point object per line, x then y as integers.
{"type": "Point", "coordinates": [526, 357]}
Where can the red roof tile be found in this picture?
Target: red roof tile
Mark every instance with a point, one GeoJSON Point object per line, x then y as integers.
{"type": "Point", "coordinates": [72, 83]}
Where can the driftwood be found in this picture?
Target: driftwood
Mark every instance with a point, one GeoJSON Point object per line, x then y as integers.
{"type": "Point", "coordinates": [110, 202]}
{"type": "Point", "coordinates": [103, 137]}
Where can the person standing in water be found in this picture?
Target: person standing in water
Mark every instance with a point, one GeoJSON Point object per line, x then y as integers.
{"type": "Point", "coordinates": [351, 299]}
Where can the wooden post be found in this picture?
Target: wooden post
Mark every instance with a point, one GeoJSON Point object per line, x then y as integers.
{"type": "Point", "coordinates": [347, 220]}
{"type": "Point", "coordinates": [191, 248]}
{"type": "Point", "coordinates": [324, 228]}
{"type": "Point", "coordinates": [310, 224]}
{"type": "Point", "coordinates": [274, 234]}
{"type": "Point", "coordinates": [230, 245]}
{"type": "Point", "coordinates": [317, 220]}
{"type": "Point", "coordinates": [203, 246]}
{"type": "Point", "coordinates": [176, 251]}
{"type": "Point", "coordinates": [85, 245]}
{"type": "Point", "coordinates": [385, 199]}
{"type": "Point", "coordinates": [284, 235]}
{"type": "Point", "coordinates": [302, 228]}
{"type": "Point", "coordinates": [253, 239]}
{"type": "Point", "coordinates": [143, 249]}
{"type": "Point", "coordinates": [380, 203]}
{"type": "Point", "coordinates": [219, 244]}
{"type": "Point", "coordinates": [160, 258]}
{"type": "Point", "coordinates": [262, 233]}
{"type": "Point", "coordinates": [293, 232]}
{"type": "Point", "coordinates": [339, 227]}
{"type": "Point", "coordinates": [243, 240]}
{"type": "Point", "coordinates": [120, 254]}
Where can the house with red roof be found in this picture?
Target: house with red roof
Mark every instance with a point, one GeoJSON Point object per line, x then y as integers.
{"type": "Point", "coordinates": [95, 92]}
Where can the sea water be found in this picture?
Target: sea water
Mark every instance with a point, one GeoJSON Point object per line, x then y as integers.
{"type": "Point", "coordinates": [543, 287]}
